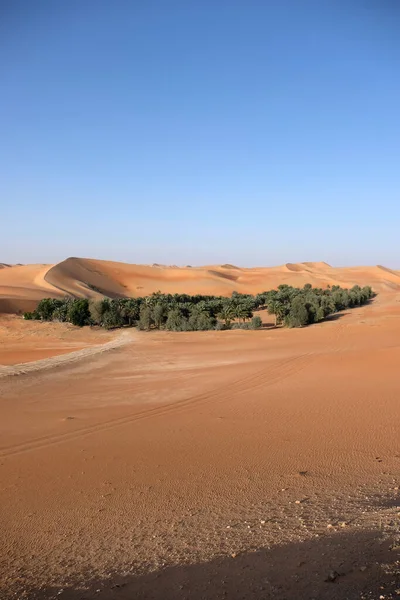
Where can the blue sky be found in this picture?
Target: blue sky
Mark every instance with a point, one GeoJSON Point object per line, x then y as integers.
{"type": "Point", "coordinates": [210, 131]}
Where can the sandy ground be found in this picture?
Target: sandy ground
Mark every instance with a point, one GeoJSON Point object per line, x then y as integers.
{"type": "Point", "coordinates": [208, 465]}
{"type": "Point", "coordinates": [25, 341]}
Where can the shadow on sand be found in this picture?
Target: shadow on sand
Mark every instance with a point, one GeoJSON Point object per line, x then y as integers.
{"type": "Point", "coordinates": [336, 566]}
{"type": "Point", "coordinates": [333, 317]}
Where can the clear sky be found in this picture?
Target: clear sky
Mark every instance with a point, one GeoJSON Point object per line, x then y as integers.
{"type": "Point", "coordinates": [252, 132]}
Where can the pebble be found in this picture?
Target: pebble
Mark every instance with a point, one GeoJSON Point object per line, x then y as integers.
{"type": "Point", "coordinates": [332, 576]}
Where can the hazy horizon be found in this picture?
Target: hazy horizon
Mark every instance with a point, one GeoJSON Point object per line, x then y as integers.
{"type": "Point", "coordinates": [184, 264]}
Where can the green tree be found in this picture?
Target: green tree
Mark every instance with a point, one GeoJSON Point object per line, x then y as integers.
{"type": "Point", "coordinates": [97, 310]}
{"type": "Point", "coordinates": [327, 305]}
{"type": "Point", "coordinates": [131, 311]}
{"type": "Point", "coordinates": [200, 320]}
{"type": "Point", "coordinates": [298, 315]}
{"type": "Point", "coordinates": [113, 317]}
{"type": "Point", "coordinates": [226, 314]}
{"type": "Point", "coordinates": [276, 308]}
{"type": "Point", "coordinates": [256, 322]}
{"type": "Point", "coordinates": [60, 314]}
{"type": "Point", "coordinates": [175, 320]}
{"type": "Point", "coordinates": [78, 312]}
{"type": "Point", "coordinates": [242, 312]}
{"type": "Point", "coordinates": [159, 315]}
{"type": "Point", "coordinates": [46, 307]}
{"type": "Point", "coordinates": [145, 318]}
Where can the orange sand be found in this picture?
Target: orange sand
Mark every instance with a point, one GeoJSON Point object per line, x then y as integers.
{"type": "Point", "coordinates": [24, 341]}
{"type": "Point", "coordinates": [239, 464]}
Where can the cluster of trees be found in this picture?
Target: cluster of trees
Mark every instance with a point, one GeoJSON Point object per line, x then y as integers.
{"type": "Point", "coordinates": [297, 307]}
{"type": "Point", "coordinates": [292, 307]}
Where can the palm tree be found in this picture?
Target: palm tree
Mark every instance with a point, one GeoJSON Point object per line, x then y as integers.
{"type": "Point", "coordinates": [227, 313]}
{"type": "Point", "coordinates": [130, 311]}
{"type": "Point", "coordinates": [276, 308]}
{"type": "Point", "coordinates": [241, 312]}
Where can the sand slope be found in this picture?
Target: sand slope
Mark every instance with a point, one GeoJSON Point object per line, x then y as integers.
{"type": "Point", "coordinates": [22, 286]}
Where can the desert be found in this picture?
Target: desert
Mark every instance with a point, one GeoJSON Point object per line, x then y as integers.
{"type": "Point", "coordinates": [198, 464]}
{"type": "Point", "coordinates": [199, 300]}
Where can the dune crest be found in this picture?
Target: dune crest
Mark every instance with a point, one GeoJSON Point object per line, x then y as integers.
{"type": "Point", "coordinates": [80, 277]}
{"type": "Point", "coordinates": [295, 267]}
{"type": "Point", "coordinates": [22, 286]}
{"type": "Point", "coordinates": [229, 266]}
{"type": "Point", "coordinates": [317, 265]}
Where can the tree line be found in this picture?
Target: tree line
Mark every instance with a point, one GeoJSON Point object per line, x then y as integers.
{"type": "Point", "coordinates": [291, 307]}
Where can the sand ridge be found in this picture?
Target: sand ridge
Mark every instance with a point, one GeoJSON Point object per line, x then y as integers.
{"type": "Point", "coordinates": [22, 286]}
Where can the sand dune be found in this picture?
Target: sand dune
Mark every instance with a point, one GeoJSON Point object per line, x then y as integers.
{"type": "Point", "coordinates": [84, 278]}
{"type": "Point", "coordinates": [317, 265]}
{"type": "Point", "coordinates": [22, 286]}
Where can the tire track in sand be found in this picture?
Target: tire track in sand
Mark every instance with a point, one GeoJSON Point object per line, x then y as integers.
{"type": "Point", "coordinates": [263, 378]}
{"type": "Point", "coordinates": [56, 361]}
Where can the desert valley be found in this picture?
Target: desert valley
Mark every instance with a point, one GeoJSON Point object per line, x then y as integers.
{"type": "Point", "coordinates": [199, 464]}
